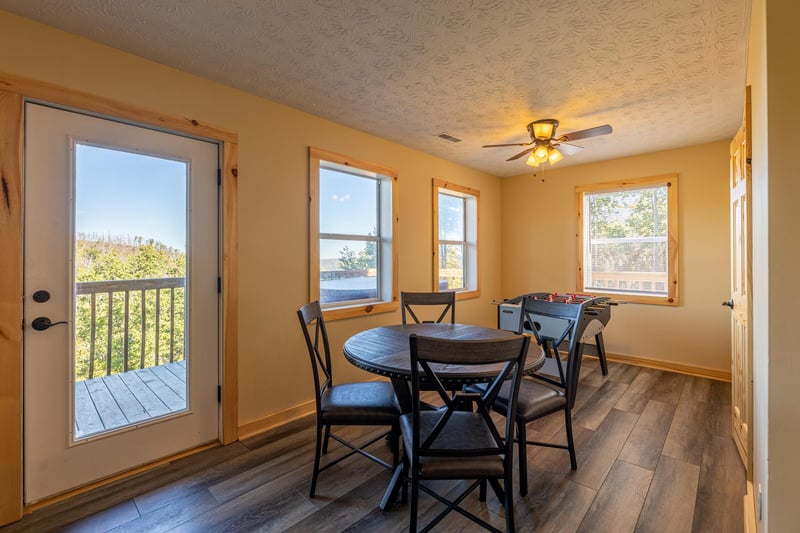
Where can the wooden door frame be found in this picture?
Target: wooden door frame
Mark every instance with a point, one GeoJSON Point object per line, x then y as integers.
{"type": "Point", "coordinates": [14, 91]}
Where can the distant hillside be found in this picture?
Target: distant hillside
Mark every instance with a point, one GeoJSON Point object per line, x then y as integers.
{"type": "Point", "coordinates": [99, 257]}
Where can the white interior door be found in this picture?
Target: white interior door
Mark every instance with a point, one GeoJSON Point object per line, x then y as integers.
{"type": "Point", "coordinates": [741, 292]}
{"type": "Point", "coordinates": [121, 244]}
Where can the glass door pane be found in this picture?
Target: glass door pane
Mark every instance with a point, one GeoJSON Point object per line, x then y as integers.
{"type": "Point", "coordinates": [130, 288]}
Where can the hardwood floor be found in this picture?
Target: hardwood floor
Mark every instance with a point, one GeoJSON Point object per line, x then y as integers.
{"type": "Point", "coordinates": [655, 453]}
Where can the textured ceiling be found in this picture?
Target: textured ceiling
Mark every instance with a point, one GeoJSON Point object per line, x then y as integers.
{"type": "Point", "coordinates": [663, 73]}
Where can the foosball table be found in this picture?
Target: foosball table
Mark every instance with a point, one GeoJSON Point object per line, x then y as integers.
{"type": "Point", "coordinates": [598, 310]}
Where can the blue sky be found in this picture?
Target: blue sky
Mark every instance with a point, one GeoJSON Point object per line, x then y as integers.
{"type": "Point", "coordinates": [341, 196]}
{"type": "Point", "coordinates": [127, 195]}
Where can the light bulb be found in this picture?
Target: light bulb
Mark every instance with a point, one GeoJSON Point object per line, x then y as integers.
{"type": "Point", "coordinates": [555, 156]}
{"type": "Point", "coordinates": [541, 153]}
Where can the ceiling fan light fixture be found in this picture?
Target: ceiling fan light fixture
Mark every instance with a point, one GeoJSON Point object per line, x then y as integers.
{"type": "Point", "coordinates": [554, 156]}
{"type": "Point", "coordinates": [545, 128]}
{"type": "Point", "coordinates": [532, 161]}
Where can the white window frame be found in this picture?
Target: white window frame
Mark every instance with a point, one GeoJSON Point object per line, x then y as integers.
{"type": "Point", "coordinates": [387, 261]}
{"type": "Point", "coordinates": [670, 181]}
{"type": "Point", "coordinates": [471, 197]}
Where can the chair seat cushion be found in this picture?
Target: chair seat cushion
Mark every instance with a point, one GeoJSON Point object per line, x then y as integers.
{"type": "Point", "coordinates": [536, 399]}
{"type": "Point", "coordinates": [464, 431]}
{"type": "Point", "coordinates": [367, 403]}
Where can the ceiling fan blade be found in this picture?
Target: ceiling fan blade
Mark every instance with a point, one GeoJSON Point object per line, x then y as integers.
{"type": "Point", "coordinates": [583, 134]}
{"type": "Point", "coordinates": [526, 151]}
{"type": "Point", "coordinates": [499, 145]}
{"type": "Point", "coordinates": [569, 149]}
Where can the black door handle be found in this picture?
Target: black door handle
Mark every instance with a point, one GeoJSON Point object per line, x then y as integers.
{"type": "Point", "coordinates": [42, 323]}
{"type": "Point", "coordinates": [729, 303]}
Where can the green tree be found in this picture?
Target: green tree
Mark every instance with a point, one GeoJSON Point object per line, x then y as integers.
{"type": "Point", "coordinates": [104, 259]}
{"type": "Point", "coordinates": [364, 259]}
{"type": "Point", "coordinates": [628, 230]}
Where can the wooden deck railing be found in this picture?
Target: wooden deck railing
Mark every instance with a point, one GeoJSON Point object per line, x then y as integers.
{"type": "Point", "coordinates": [151, 325]}
{"type": "Point", "coordinates": [632, 281]}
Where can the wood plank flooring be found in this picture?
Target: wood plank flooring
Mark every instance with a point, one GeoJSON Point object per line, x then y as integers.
{"type": "Point", "coordinates": [110, 402]}
{"type": "Point", "coordinates": [654, 454]}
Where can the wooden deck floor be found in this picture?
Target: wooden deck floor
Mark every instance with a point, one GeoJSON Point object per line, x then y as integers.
{"type": "Point", "coordinates": [655, 453]}
{"type": "Point", "coordinates": [119, 400]}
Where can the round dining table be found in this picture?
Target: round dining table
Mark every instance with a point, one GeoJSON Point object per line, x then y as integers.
{"type": "Point", "coordinates": [385, 351]}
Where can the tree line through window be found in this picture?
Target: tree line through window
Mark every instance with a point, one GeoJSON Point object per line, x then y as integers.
{"type": "Point", "coordinates": [628, 238]}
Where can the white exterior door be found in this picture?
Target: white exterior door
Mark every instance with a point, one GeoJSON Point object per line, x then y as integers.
{"type": "Point", "coordinates": [122, 245]}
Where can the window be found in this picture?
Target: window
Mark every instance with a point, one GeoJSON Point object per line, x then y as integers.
{"type": "Point", "coordinates": [455, 239]}
{"type": "Point", "coordinates": [628, 239]}
{"type": "Point", "coordinates": [353, 258]}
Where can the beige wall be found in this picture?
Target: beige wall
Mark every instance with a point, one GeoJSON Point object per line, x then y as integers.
{"type": "Point", "coordinates": [274, 371]}
{"type": "Point", "coordinates": [774, 77]}
{"type": "Point", "coordinates": [539, 251]}
{"type": "Point", "coordinates": [273, 141]}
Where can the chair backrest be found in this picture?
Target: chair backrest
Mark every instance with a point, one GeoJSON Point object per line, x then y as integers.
{"type": "Point", "coordinates": [446, 300]}
{"type": "Point", "coordinates": [319, 351]}
{"type": "Point", "coordinates": [427, 353]}
{"type": "Point", "coordinates": [553, 323]}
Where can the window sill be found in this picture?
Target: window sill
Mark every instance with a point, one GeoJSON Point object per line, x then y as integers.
{"type": "Point", "coordinates": [636, 298]}
{"type": "Point", "coordinates": [337, 313]}
{"type": "Point", "coordinates": [466, 295]}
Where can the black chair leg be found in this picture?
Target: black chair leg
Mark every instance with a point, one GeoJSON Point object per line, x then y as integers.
{"type": "Point", "coordinates": [412, 524]}
{"type": "Point", "coordinates": [325, 440]}
{"type": "Point", "coordinates": [570, 442]}
{"type": "Point", "coordinates": [317, 451]}
{"type": "Point", "coordinates": [395, 435]}
{"type": "Point", "coordinates": [522, 437]}
{"type": "Point", "coordinates": [509, 501]}
{"type": "Point", "coordinates": [482, 491]}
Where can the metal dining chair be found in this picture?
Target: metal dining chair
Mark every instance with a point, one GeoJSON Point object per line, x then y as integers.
{"type": "Point", "coordinates": [355, 404]}
{"type": "Point", "coordinates": [460, 440]}
{"type": "Point", "coordinates": [553, 388]}
{"type": "Point", "coordinates": [445, 300]}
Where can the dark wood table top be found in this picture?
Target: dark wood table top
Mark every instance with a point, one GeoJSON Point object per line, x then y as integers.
{"type": "Point", "coordinates": [385, 351]}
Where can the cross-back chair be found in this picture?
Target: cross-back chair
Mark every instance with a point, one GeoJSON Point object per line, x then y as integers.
{"type": "Point", "coordinates": [553, 388]}
{"type": "Point", "coordinates": [445, 300]}
{"type": "Point", "coordinates": [362, 404]}
{"type": "Point", "coordinates": [460, 440]}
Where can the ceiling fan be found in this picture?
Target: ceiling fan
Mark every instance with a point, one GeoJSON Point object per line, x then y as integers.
{"type": "Point", "coordinates": [545, 146]}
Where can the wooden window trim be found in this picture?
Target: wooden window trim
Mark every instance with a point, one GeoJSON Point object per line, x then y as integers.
{"type": "Point", "coordinates": [673, 249]}
{"type": "Point", "coordinates": [315, 155]}
{"type": "Point", "coordinates": [442, 184]}
{"type": "Point", "coordinates": [15, 90]}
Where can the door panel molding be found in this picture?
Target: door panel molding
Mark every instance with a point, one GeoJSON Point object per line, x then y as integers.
{"type": "Point", "coordinates": [13, 91]}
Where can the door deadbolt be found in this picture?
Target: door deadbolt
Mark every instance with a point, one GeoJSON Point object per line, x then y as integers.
{"type": "Point", "coordinates": [41, 296]}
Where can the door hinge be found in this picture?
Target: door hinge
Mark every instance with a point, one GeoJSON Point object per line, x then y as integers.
{"type": "Point", "coordinates": [219, 177]}
{"type": "Point", "coordinates": [219, 285]}
{"type": "Point", "coordinates": [219, 393]}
